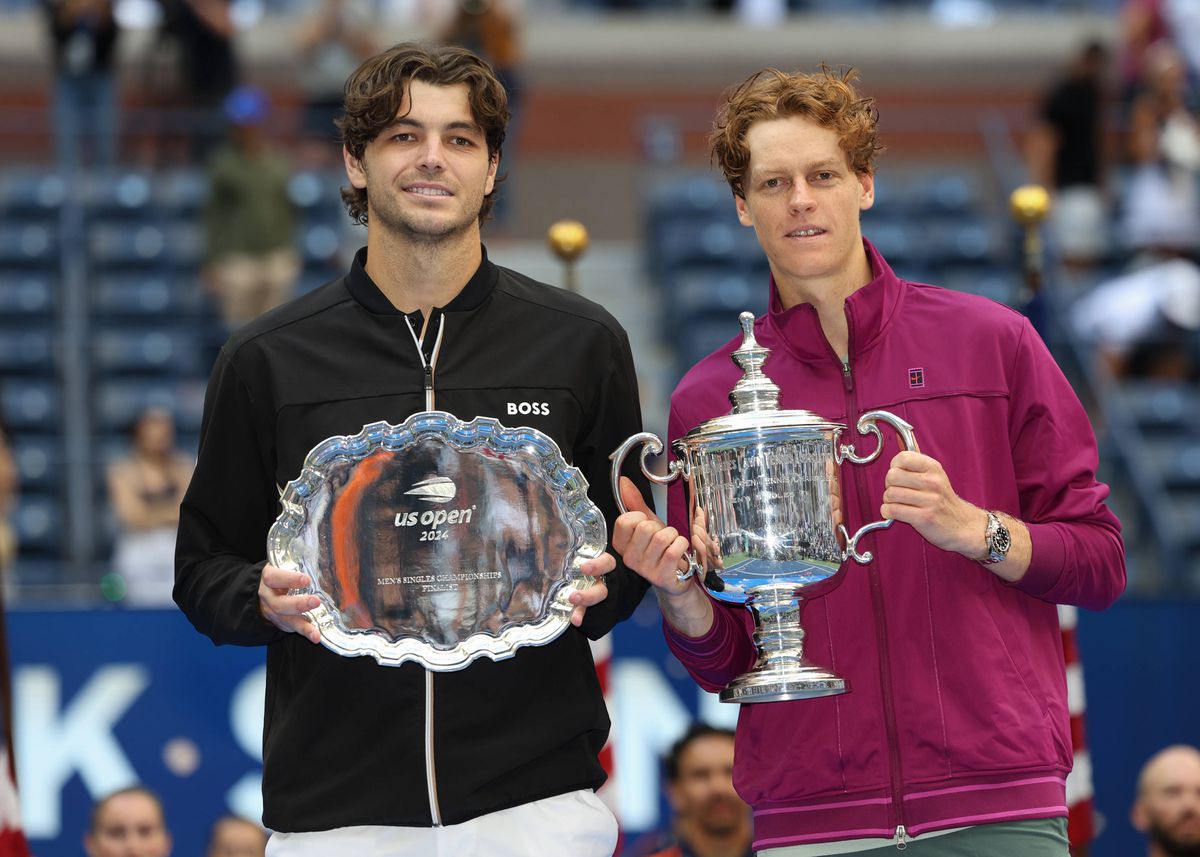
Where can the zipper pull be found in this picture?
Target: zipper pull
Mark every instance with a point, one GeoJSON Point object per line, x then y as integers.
{"type": "Point", "coordinates": [901, 837]}
{"type": "Point", "coordinates": [428, 378]}
{"type": "Point", "coordinates": [849, 381]}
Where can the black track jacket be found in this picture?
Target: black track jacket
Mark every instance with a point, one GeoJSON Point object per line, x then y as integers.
{"type": "Point", "coordinates": [349, 742]}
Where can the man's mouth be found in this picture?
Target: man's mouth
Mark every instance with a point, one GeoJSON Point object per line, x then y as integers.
{"type": "Point", "coordinates": [808, 232]}
{"type": "Point", "coordinates": [425, 190]}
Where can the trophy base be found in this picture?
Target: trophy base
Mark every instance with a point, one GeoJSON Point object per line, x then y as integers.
{"type": "Point", "coordinates": [807, 682]}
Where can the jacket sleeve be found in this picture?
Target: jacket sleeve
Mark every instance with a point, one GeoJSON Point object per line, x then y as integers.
{"type": "Point", "coordinates": [614, 417]}
{"type": "Point", "coordinates": [1078, 554]}
{"type": "Point", "coordinates": [727, 650]}
{"type": "Point", "coordinates": [226, 514]}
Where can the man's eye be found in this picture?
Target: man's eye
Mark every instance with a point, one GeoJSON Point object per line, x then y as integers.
{"type": "Point", "coordinates": [772, 183]}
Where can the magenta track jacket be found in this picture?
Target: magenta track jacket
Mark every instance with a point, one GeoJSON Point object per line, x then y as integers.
{"type": "Point", "coordinates": [957, 706]}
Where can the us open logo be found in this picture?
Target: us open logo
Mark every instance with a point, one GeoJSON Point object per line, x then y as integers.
{"type": "Point", "coordinates": [436, 489]}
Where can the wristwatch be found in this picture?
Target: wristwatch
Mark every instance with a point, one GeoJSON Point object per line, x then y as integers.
{"type": "Point", "coordinates": [997, 539]}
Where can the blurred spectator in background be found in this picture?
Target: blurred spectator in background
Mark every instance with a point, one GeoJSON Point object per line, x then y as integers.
{"type": "Point", "coordinates": [1167, 807]}
{"type": "Point", "coordinates": [203, 34]}
{"type": "Point", "coordinates": [145, 490]}
{"type": "Point", "coordinates": [332, 44]}
{"type": "Point", "coordinates": [710, 819]}
{"type": "Point", "coordinates": [1162, 206]}
{"type": "Point", "coordinates": [8, 500]}
{"type": "Point", "coordinates": [1146, 323]}
{"type": "Point", "coordinates": [1066, 155]}
{"type": "Point", "coordinates": [128, 822]}
{"type": "Point", "coordinates": [251, 262]}
{"type": "Point", "coordinates": [491, 29]}
{"type": "Point", "coordinates": [236, 837]}
{"type": "Point", "coordinates": [84, 36]}
{"type": "Point", "coordinates": [1143, 23]}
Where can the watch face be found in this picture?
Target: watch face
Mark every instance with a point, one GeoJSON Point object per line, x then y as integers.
{"type": "Point", "coordinates": [999, 540]}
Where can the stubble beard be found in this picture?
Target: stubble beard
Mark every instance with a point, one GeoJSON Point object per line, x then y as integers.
{"type": "Point", "coordinates": [391, 216]}
{"type": "Point", "coordinates": [1171, 845]}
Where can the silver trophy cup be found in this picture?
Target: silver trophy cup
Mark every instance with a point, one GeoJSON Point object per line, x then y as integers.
{"type": "Point", "coordinates": [764, 497]}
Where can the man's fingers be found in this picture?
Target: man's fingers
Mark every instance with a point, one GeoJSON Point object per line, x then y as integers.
{"type": "Point", "coordinates": [633, 499]}
{"type": "Point", "coordinates": [278, 578]}
{"type": "Point", "coordinates": [585, 598]}
{"type": "Point", "coordinates": [602, 564]}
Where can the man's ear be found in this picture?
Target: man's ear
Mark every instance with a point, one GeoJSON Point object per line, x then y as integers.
{"type": "Point", "coordinates": [743, 212]}
{"type": "Point", "coordinates": [354, 169]}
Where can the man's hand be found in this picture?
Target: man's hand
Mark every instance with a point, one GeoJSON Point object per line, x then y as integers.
{"type": "Point", "coordinates": [919, 493]}
{"type": "Point", "coordinates": [286, 612]}
{"type": "Point", "coordinates": [597, 592]}
{"type": "Point", "coordinates": [656, 552]}
{"type": "Point", "coordinates": [647, 545]}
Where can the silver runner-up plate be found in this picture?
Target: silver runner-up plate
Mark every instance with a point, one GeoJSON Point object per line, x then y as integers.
{"type": "Point", "coordinates": [438, 541]}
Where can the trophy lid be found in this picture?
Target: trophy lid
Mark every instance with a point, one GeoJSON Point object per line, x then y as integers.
{"type": "Point", "coordinates": [755, 397]}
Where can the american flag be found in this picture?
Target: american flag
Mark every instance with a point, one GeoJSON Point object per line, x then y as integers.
{"type": "Point", "coordinates": [1081, 823]}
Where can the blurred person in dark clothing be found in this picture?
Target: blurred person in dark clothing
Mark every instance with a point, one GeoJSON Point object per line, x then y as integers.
{"type": "Point", "coordinates": [203, 32]}
{"type": "Point", "coordinates": [332, 44]}
{"type": "Point", "coordinates": [250, 261]}
{"type": "Point", "coordinates": [1066, 155]}
{"type": "Point", "coordinates": [1162, 198]}
{"type": "Point", "coordinates": [710, 819]}
{"type": "Point", "coordinates": [84, 38]}
{"type": "Point", "coordinates": [491, 30]}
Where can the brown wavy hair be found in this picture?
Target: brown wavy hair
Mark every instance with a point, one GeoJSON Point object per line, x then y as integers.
{"type": "Point", "coordinates": [374, 92]}
{"type": "Point", "coordinates": [826, 97]}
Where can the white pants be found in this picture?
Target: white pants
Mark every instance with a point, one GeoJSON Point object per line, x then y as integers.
{"type": "Point", "coordinates": [577, 824]}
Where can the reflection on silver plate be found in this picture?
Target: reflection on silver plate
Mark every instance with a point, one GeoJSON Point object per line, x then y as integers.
{"type": "Point", "coordinates": [438, 541]}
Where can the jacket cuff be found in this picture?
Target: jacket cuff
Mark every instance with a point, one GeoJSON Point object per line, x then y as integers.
{"type": "Point", "coordinates": [714, 644]}
{"type": "Point", "coordinates": [1048, 555]}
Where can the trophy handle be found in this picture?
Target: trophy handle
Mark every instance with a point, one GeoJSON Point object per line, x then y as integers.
{"type": "Point", "coordinates": [677, 468]}
{"type": "Point", "coordinates": [845, 452]}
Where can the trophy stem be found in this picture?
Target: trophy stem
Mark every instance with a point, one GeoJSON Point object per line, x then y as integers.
{"type": "Point", "coordinates": [782, 672]}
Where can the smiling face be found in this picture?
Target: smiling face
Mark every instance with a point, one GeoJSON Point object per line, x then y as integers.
{"type": "Point", "coordinates": [803, 200]}
{"type": "Point", "coordinates": [426, 175]}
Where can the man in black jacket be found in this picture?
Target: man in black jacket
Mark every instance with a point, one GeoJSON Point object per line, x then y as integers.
{"type": "Point", "coordinates": [499, 757]}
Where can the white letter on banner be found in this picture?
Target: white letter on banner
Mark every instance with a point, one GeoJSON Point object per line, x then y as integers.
{"type": "Point", "coordinates": [246, 711]}
{"type": "Point", "coordinates": [52, 745]}
{"type": "Point", "coordinates": [648, 718]}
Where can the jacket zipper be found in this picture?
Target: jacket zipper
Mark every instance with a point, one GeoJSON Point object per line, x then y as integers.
{"type": "Point", "coordinates": [885, 672]}
{"type": "Point", "coordinates": [427, 367]}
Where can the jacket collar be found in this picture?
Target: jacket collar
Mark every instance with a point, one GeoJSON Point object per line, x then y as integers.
{"type": "Point", "coordinates": [869, 310]}
{"type": "Point", "coordinates": [363, 289]}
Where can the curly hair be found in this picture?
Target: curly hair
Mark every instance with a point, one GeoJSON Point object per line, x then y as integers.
{"type": "Point", "coordinates": [826, 97]}
{"type": "Point", "coordinates": [375, 90]}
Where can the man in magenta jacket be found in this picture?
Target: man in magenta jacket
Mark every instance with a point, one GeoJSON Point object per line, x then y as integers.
{"type": "Point", "coordinates": [955, 732]}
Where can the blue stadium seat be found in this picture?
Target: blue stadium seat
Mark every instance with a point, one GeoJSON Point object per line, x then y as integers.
{"type": "Point", "coordinates": [180, 194]}
{"type": "Point", "coordinates": [185, 247]}
{"type": "Point", "coordinates": [123, 195]}
{"type": "Point", "coordinates": [961, 241]}
{"type": "Point", "coordinates": [1161, 407]}
{"type": "Point", "coordinates": [145, 351]}
{"type": "Point", "coordinates": [39, 459]}
{"type": "Point", "coordinates": [118, 402]}
{"type": "Point", "coordinates": [945, 194]}
{"type": "Point", "coordinates": [317, 196]}
{"type": "Point", "coordinates": [31, 404]}
{"type": "Point", "coordinates": [40, 524]}
{"type": "Point", "coordinates": [713, 293]}
{"type": "Point", "coordinates": [127, 246]}
{"type": "Point", "coordinates": [1176, 460]}
{"type": "Point", "coordinates": [696, 243]}
{"type": "Point", "coordinates": [31, 195]}
{"type": "Point", "coordinates": [28, 246]}
{"type": "Point", "coordinates": [26, 350]}
{"type": "Point", "coordinates": [1000, 284]}
{"type": "Point", "coordinates": [27, 297]}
